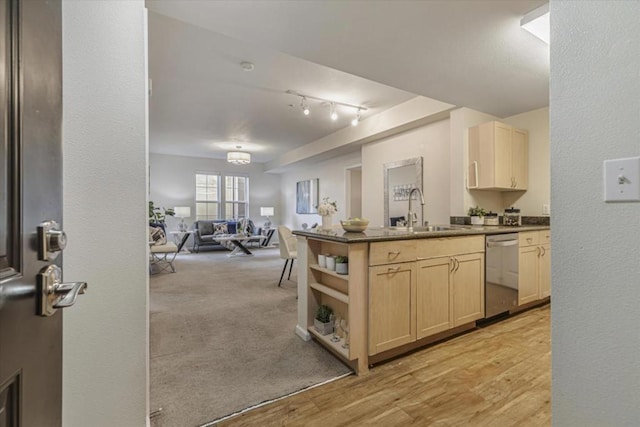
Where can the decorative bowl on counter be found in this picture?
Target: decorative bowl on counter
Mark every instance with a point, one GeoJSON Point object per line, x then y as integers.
{"type": "Point", "coordinates": [357, 225]}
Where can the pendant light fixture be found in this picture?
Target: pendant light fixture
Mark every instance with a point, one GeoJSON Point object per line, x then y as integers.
{"type": "Point", "coordinates": [238, 157]}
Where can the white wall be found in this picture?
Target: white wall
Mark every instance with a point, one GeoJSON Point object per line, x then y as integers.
{"type": "Point", "coordinates": [172, 180]}
{"type": "Point", "coordinates": [432, 143]}
{"type": "Point", "coordinates": [105, 358]}
{"type": "Point", "coordinates": [539, 186]}
{"type": "Point", "coordinates": [332, 175]}
{"type": "Point", "coordinates": [595, 100]}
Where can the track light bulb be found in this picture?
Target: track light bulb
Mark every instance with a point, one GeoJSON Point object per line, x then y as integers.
{"type": "Point", "coordinates": [303, 104]}
{"type": "Point", "coordinates": [334, 115]}
{"type": "Point", "coordinates": [356, 119]}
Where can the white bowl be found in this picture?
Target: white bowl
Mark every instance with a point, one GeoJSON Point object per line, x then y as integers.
{"type": "Point", "coordinates": [354, 226]}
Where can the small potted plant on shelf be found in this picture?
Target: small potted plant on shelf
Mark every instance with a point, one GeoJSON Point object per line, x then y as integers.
{"type": "Point", "coordinates": [322, 322]}
{"type": "Point", "coordinates": [342, 265]}
{"type": "Point", "coordinates": [477, 215]}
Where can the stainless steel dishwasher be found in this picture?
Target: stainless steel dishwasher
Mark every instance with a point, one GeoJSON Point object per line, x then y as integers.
{"type": "Point", "coordinates": [501, 273]}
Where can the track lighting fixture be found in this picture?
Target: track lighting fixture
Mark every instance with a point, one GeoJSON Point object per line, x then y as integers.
{"type": "Point", "coordinates": [303, 105]}
{"type": "Point", "coordinates": [333, 114]}
{"type": "Point", "coordinates": [356, 119]}
{"type": "Point", "coordinates": [332, 106]}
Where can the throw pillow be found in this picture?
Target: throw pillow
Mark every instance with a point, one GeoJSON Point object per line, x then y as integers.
{"type": "Point", "coordinates": [250, 227]}
{"type": "Point", "coordinates": [205, 228]}
{"type": "Point", "coordinates": [220, 228]}
{"type": "Point", "coordinates": [157, 235]}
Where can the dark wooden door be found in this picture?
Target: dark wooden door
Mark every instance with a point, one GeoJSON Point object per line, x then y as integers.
{"type": "Point", "coordinates": [30, 193]}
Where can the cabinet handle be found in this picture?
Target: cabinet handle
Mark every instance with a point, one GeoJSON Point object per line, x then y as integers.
{"type": "Point", "coordinates": [544, 251]}
{"type": "Point", "coordinates": [475, 176]}
{"type": "Point", "coordinates": [393, 269]}
{"type": "Point", "coordinates": [538, 249]}
{"type": "Point", "coordinates": [529, 240]}
{"type": "Point", "coordinates": [457, 264]}
{"type": "Point", "coordinates": [394, 253]}
{"type": "Point", "coordinates": [453, 264]}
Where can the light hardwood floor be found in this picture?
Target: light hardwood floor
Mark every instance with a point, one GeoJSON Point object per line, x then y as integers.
{"type": "Point", "coordinates": [499, 375]}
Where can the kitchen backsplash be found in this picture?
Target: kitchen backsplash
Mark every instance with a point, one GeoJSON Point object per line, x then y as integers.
{"type": "Point", "coordinates": [526, 220]}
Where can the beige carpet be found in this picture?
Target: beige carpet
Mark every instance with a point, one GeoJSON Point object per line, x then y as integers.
{"type": "Point", "coordinates": [222, 338]}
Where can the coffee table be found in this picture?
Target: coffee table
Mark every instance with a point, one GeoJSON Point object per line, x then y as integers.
{"type": "Point", "coordinates": [239, 241]}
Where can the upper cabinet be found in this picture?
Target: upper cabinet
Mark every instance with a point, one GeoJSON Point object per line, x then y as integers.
{"type": "Point", "coordinates": [498, 157]}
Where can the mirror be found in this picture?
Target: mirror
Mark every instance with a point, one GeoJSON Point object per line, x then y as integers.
{"type": "Point", "coordinates": [307, 196]}
{"type": "Point", "coordinates": [399, 178]}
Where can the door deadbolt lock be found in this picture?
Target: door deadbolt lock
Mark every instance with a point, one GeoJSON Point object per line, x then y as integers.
{"type": "Point", "coordinates": [53, 294]}
{"type": "Point", "coordinates": [51, 240]}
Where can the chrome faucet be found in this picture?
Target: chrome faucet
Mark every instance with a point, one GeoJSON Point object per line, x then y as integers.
{"type": "Point", "coordinates": [412, 218]}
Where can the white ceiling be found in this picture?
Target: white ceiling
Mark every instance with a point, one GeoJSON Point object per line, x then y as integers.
{"type": "Point", "coordinates": [469, 53]}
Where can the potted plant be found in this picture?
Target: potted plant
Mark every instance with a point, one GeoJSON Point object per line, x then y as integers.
{"type": "Point", "coordinates": [322, 321]}
{"type": "Point", "coordinates": [342, 265]}
{"type": "Point", "coordinates": [327, 208]}
{"type": "Point", "coordinates": [158, 215]}
{"type": "Point", "coordinates": [477, 215]}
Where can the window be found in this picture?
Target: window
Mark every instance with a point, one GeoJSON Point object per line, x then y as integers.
{"type": "Point", "coordinates": [214, 203]}
{"type": "Point", "coordinates": [236, 197]}
{"type": "Point", "coordinates": [207, 196]}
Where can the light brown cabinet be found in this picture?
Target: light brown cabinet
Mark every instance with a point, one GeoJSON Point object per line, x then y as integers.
{"type": "Point", "coordinates": [450, 292]}
{"type": "Point", "coordinates": [534, 269]}
{"type": "Point", "coordinates": [498, 157]}
{"type": "Point", "coordinates": [433, 296]}
{"type": "Point", "coordinates": [442, 288]}
{"type": "Point", "coordinates": [392, 306]}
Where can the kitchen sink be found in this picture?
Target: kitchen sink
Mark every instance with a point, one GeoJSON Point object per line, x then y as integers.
{"type": "Point", "coordinates": [422, 229]}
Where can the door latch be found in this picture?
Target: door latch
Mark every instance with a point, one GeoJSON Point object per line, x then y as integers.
{"type": "Point", "coordinates": [53, 294]}
{"type": "Point", "coordinates": [51, 240]}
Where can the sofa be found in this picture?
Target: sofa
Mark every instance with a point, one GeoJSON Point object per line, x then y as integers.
{"type": "Point", "coordinates": [206, 232]}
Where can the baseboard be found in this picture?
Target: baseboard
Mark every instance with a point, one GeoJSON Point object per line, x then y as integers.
{"type": "Point", "coordinates": [303, 333]}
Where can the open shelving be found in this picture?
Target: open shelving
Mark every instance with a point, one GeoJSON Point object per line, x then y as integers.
{"type": "Point", "coordinates": [344, 293]}
{"type": "Point", "coordinates": [336, 347]}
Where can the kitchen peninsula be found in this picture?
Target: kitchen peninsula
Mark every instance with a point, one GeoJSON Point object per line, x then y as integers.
{"type": "Point", "coordinates": [407, 288]}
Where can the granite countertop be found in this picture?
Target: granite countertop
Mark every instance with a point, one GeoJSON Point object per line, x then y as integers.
{"type": "Point", "coordinates": [380, 234]}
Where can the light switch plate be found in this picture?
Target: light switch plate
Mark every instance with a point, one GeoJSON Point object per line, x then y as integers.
{"type": "Point", "coordinates": [622, 180]}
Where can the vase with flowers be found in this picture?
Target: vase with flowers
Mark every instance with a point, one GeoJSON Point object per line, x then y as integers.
{"type": "Point", "coordinates": [327, 208]}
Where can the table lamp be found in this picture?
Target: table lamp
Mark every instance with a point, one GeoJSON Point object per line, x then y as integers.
{"type": "Point", "coordinates": [182, 212]}
{"type": "Point", "coordinates": [267, 212]}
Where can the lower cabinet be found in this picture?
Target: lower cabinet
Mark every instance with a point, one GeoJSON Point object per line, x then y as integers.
{"type": "Point", "coordinates": [467, 284]}
{"type": "Point", "coordinates": [545, 271]}
{"type": "Point", "coordinates": [413, 300]}
{"type": "Point", "coordinates": [450, 292]}
{"type": "Point", "coordinates": [433, 296]}
{"type": "Point", "coordinates": [534, 266]}
{"type": "Point", "coordinates": [392, 300]}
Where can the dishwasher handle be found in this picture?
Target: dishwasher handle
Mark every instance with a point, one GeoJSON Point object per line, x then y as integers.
{"type": "Point", "coordinates": [501, 243]}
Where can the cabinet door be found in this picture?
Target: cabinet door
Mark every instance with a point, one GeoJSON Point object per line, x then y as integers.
{"type": "Point", "coordinates": [545, 271]}
{"type": "Point", "coordinates": [502, 156]}
{"type": "Point", "coordinates": [528, 289]}
{"type": "Point", "coordinates": [519, 158]}
{"type": "Point", "coordinates": [432, 296]}
{"type": "Point", "coordinates": [392, 320]}
{"type": "Point", "coordinates": [467, 284]}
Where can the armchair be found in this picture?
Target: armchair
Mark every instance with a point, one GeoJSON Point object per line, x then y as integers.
{"type": "Point", "coordinates": [161, 252]}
